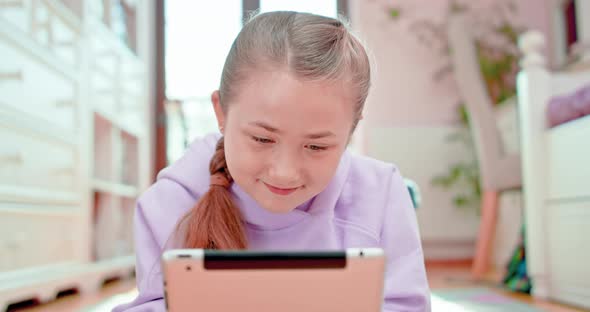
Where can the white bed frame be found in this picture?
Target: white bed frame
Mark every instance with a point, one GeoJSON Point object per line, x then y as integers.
{"type": "Point", "coordinates": [556, 181]}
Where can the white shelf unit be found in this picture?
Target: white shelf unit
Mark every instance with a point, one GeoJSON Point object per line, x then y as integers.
{"type": "Point", "coordinates": [76, 143]}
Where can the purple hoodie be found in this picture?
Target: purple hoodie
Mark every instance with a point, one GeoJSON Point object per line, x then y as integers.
{"type": "Point", "coordinates": [365, 205]}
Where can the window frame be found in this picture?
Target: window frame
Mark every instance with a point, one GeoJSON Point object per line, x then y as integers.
{"type": "Point", "coordinates": [249, 6]}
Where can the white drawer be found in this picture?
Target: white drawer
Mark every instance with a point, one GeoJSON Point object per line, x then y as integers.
{"type": "Point", "coordinates": [29, 160]}
{"type": "Point", "coordinates": [29, 238]}
{"type": "Point", "coordinates": [568, 233]}
{"type": "Point", "coordinates": [31, 87]}
{"type": "Point", "coordinates": [567, 156]}
{"type": "Point", "coordinates": [30, 17]}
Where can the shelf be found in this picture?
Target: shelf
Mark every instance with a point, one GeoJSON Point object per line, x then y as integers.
{"type": "Point", "coordinates": [13, 280]}
{"type": "Point", "coordinates": [40, 274]}
{"type": "Point", "coordinates": [44, 283]}
{"type": "Point", "coordinates": [69, 194]}
{"type": "Point", "coordinates": [118, 189]}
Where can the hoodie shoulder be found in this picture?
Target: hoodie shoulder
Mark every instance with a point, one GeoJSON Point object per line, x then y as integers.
{"type": "Point", "coordinates": [192, 170]}
{"type": "Point", "coordinates": [369, 176]}
{"type": "Point", "coordinates": [366, 194]}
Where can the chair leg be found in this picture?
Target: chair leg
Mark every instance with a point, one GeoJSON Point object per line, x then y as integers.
{"type": "Point", "coordinates": [487, 227]}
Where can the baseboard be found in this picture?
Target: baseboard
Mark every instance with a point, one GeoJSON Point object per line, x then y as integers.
{"type": "Point", "coordinates": [449, 263]}
{"type": "Point", "coordinates": [457, 250]}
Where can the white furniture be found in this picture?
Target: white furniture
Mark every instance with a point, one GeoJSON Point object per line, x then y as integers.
{"type": "Point", "coordinates": [499, 170]}
{"type": "Point", "coordinates": [556, 179]}
{"type": "Point", "coordinates": [74, 127]}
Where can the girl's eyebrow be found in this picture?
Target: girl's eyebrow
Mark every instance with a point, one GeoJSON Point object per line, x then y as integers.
{"type": "Point", "coordinates": [270, 128]}
{"type": "Point", "coordinates": [319, 135]}
{"type": "Point", "coordinates": [264, 125]}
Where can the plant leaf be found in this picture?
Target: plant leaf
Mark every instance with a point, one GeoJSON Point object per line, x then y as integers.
{"type": "Point", "coordinates": [395, 13]}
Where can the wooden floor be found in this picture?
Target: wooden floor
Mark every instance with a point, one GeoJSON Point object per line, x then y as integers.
{"type": "Point", "coordinates": [440, 276]}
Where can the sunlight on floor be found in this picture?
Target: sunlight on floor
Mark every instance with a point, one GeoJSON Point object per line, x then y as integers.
{"type": "Point", "coordinates": [441, 305]}
{"type": "Point", "coordinates": [109, 304]}
{"type": "Point", "coordinates": [438, 304]}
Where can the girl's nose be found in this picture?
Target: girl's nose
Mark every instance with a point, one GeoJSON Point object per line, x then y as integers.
{"type": "Point", "coordinates": [284, 170]}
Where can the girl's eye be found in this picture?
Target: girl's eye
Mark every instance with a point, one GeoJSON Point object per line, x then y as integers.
{"type": "Point", "coordinates": [316, 147]}
{"type": "Point", "coordinates": [262, 140]}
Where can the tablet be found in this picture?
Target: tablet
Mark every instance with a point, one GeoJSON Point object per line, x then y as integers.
{"type": "Point", "coordinates": [224, 281]}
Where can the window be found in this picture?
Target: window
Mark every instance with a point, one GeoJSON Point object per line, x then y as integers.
{"type": "Point", "coordinates": [198, 39]}
{"type": "Point", "coordinates": [326, 8]}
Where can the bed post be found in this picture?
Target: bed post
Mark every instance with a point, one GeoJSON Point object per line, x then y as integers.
{"type": "Point", "coordinates": [533, 84]}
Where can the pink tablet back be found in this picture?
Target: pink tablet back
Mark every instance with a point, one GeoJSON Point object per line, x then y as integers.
{"type": "Point", "coordinates": [355, 286]}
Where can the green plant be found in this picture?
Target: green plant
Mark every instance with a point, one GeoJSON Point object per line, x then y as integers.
{"type": "Point", "coordinates": [462, 175]}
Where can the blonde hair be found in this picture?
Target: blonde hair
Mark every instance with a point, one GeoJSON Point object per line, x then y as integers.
{"type": "Point", "coordinates": [309, 46]}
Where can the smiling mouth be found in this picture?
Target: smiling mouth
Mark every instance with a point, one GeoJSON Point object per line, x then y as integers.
{"type": "Point", "coordinates": [280, 191]}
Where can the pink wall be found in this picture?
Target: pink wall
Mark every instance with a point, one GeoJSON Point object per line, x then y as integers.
{"type": "Point", "coordinates": [536, 14]}
{"type": "Point", "coordinates": [404, 93]}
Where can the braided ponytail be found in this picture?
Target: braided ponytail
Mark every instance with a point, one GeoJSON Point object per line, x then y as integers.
{"type": "Point", "coordinates": [215, 221]}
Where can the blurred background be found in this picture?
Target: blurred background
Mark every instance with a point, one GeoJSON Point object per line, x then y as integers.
{"type": "Point", "coordinates": [483, 105]}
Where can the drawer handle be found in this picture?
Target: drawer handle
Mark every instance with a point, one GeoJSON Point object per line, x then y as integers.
{"type": "Point", "coordinates": [12, 76]}
{"type": "Point", "coordinates": [11, 4]}
{"type": "Point", "coordinates": [16, 158]}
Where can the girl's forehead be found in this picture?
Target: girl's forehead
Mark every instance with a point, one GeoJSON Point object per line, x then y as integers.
{"type": "Point", "coordinates": [282, 101]}
{"type": "Point", "coordinates": [281, 86]}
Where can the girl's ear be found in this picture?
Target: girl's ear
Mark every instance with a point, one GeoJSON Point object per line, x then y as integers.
{"type": "Point", "coordinates": [219, 114]}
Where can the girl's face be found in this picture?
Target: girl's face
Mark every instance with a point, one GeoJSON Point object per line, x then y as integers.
{"type": "Point", "coordinates": [284, 137]}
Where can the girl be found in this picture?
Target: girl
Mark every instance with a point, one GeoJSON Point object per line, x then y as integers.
{"type": "Point", "coordinates": [279, 175]}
